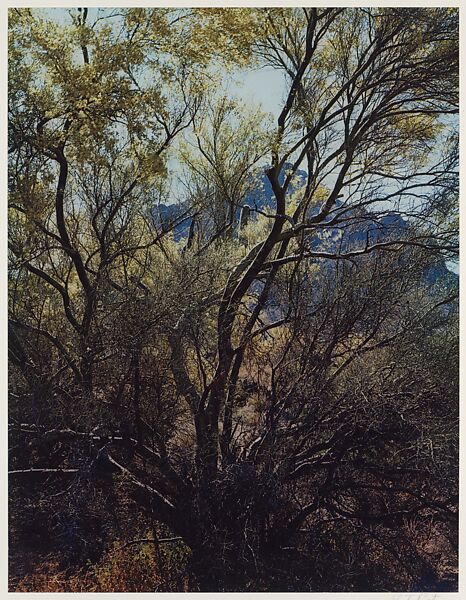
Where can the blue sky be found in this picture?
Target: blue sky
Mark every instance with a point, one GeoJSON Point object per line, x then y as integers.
{"type": "Point", "coordinates": [264, 86]}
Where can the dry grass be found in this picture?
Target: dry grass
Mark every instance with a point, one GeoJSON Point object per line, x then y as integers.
{"type": "Point", "coordinates": [121, 569]}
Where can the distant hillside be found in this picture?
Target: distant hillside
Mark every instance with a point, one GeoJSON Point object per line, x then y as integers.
{"type": "Point", "coordinates": [353, 236]}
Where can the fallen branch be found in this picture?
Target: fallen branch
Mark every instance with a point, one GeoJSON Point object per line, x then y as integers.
{"type": "Point", "coordinates": [44, 471]}
{"type": "Point", "coordinates": [160, 497]}
{"type": "Point", "coordinates": [151, 541]}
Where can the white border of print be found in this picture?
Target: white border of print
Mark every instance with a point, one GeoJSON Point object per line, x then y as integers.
{"type": "Point", "coordinates": [3, 296]}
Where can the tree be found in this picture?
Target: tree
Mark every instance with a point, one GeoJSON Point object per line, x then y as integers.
{"type": "Point", "coordinates": [249, 381]}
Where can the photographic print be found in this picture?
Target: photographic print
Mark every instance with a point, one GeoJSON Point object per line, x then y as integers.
{"type": "Point", "coordinates": [233, 299]}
